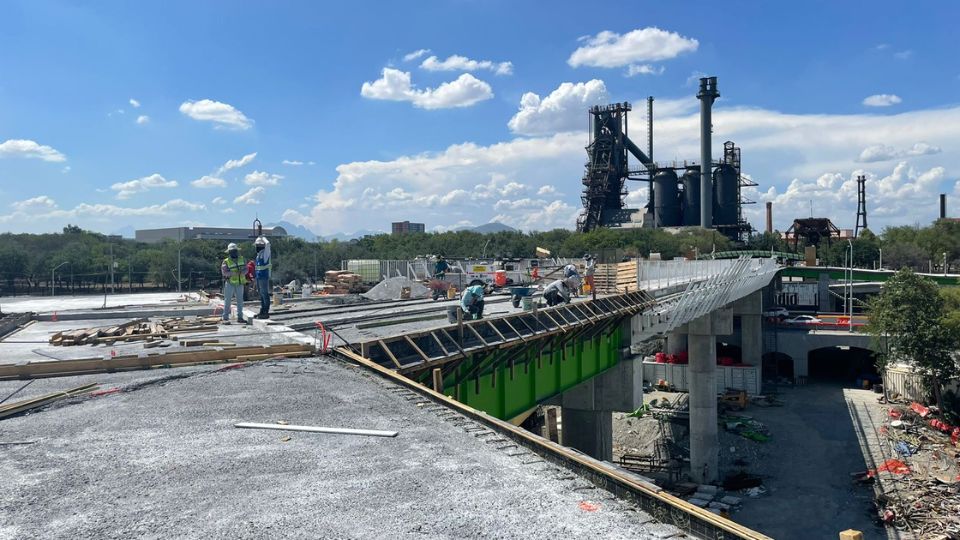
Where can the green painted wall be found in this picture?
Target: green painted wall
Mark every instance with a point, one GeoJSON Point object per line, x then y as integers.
{"type": "Point", "coordinates": [505, 393]}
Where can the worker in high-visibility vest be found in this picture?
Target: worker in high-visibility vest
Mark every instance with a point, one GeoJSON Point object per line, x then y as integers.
{"type": "Point", "coordinates": [262, 276]}
{"type": "Point", "coordinates": [234, 270]}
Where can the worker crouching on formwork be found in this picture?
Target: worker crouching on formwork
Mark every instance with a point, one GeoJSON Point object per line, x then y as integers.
{"type": "Point", "coordinates": [234, 270]}
{"type": "Point", "coordinates": [472, 301]}
{"type": "Point", "coordinates": [560, 290]}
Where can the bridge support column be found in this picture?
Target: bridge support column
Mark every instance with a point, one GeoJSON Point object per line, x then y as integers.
{"type": "Point", "coordinates": [676, 341]}
{"type": "Point", "coordinates": [750, 310]}
{"type": "Point", "coordinates": [702, 339]}
{"type": "Point", "coordinates": [587, 409]}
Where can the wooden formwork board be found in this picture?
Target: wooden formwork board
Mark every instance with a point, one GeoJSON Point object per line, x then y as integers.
{"type": "Point", "coordinates": [61, 368]}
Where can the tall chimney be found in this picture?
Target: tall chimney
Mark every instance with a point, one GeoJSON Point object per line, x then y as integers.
{"type": "Point", "coordinates": [707, 94]}
{"type": "Point", "coordinates": [769, 216]}
{"type": "Point", "coordinates": [943, 205]}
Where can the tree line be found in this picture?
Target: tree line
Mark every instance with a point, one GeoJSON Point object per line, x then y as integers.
{"type": "Point", "coordinates": [83, 259]}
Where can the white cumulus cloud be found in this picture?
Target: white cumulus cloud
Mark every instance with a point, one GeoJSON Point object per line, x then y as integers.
{"type": "Point", "coordinates": [644, 69]}
{"type": "Point", "coordinates": [881, 100]}
{"type": "Point", "coordinates": [462, 63]}
{"type": "Point", "coordinates": [250, 197]}
{"type": "Point", "coordinates": [395, 85]}
{"type": "Point", "coordinates": [209, 182]}
{"type": "Point", "coordinates": [219, 200]}
{"type": "Point", "coordinates": [134, 103]}
{"type": "Point", "coordinates": [25, 148]}
{"type": "Point", "coordinates": [125, 190]}
{"type": "Point", "coordinates": [610, 49]}
{"type": "Point", "coordinates": [409, 57]}
{"type": "Point", "coordinates": [237, 163]}
{"type": "Point", "coordinates": [143, 119]}
{"type": "Point", "coordinates": [881, 152]}
{"type": "Point", "coordinates": [39, 203]}
{"type": "Point", "coordinates": [221, 114]}
{"type": "Point", "coordinates": [260, 178]}
{"type": "Point", "coordinates": [564, 109]}
{"type": "Point", "coordinates": [292, 162]}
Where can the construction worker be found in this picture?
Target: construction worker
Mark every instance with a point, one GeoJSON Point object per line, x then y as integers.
{"type": "Point", "coordinates": [472, 300]}
{"type": "Point", "coordinates": [262, 275]}
{"type": "Point", "coordinates": [560, 290]}
{"type": "Point", "coordinates": [440, 269]}
{"type": "Point", "coordinates": [234, 270]}
{"type": "Point", "coordinates": [590, 267]}
{"type": "Point", "coordinates": [569, 271]}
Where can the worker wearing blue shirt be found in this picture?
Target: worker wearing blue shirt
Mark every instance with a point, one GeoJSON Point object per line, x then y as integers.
{"type": "Point", "coordinates": [472, 302]}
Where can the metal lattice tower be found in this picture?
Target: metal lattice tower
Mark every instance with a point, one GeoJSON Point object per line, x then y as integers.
{"type": "Point", "coordinates": [606, 170]}
{"type": "Point", "coordinates": [861, 205]}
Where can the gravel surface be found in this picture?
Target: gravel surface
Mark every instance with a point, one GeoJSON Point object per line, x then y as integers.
{"type": "Point", "coordinates": [163, 459]}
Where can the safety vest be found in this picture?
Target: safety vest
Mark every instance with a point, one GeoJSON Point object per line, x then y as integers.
{"type": "Point", "coordinates": [261, 266]}
{"type": "Point", "coordinates": [237, 272]}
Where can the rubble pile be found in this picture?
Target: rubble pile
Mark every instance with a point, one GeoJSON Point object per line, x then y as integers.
{"type": "Point", "coordinates": [919, 485]}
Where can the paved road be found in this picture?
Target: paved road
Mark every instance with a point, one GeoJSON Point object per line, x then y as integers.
{"type": "Point", "coordinates": [815, 447]}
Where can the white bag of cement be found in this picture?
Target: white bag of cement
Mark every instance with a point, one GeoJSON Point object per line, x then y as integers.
{"type": "Point", "coordinates": [391, 288]}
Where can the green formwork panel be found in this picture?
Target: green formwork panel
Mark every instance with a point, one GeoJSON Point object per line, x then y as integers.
{"type": "Point", "coordinates": [504, 394]}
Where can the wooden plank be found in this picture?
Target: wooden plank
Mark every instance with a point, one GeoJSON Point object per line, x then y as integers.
{"type": "Point", "coordinates": [417, 348]}
{"type": "Point", "coordinates": [121, 363]}
{"type": "Point", "coordinates": [389, 353]}
{"type": "Point", "coordinates": [494, 327]}
{"type": "Point", "coordinates": [438, 380]}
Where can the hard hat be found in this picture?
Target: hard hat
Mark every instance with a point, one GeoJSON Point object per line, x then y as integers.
{"type": "Point", "coordinates": [231, 246]}
{"type": "Point", "coordinates": [260, 241]}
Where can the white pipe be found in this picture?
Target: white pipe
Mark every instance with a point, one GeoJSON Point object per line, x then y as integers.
{"type": "Point", "coordinates": [313, 429]}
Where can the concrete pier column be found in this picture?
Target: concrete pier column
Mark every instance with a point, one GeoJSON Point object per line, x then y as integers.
{"type": "Point", "coordinates": [703, 401]}
{"type": "Point", "coordinates": [751, 339]}
{"type": "Point", "coordinates": [586, 410]}
{"type": "Point", "coordinates": [589, 431]}
{"type": "Point", "coordinates": [676, 342]}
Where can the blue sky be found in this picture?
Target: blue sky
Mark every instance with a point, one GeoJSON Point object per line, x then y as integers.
{"type": "Point", "coordinates": [218, 81]}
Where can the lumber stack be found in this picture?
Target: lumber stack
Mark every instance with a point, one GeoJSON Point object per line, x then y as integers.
{"type": "Point", "coordinates": [135, 330]}
{"type": "Point", "coordinates": [616, 278]}
{"type": "Point", "coordinates": [340, 282]}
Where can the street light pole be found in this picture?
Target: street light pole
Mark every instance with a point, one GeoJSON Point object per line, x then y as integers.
{"type": "Point", "coordinates": [850, 322]}
{"type": "Point", "coordinates": [179, 247]}
{"type": "Point", "coordinates": [944, 263]}
{"type": "Point", "coordinates": [53, 282]}
{"type": "Point", "coordinates": [881, 258]}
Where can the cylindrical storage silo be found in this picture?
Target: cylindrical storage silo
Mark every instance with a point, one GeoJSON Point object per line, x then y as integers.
{"type": "Point", "coordinates": [725, 195]}
{"type": "Point", "coordinates": [666, 202]}
{"type": "Point", "coordinates": [690, 207]}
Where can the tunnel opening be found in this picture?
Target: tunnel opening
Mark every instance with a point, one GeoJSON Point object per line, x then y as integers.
{"type": "Point", "coordinates": [843, 364]}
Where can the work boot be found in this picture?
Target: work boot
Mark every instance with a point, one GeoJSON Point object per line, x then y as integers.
{"type": "Point", "coordinates": [242, 321]}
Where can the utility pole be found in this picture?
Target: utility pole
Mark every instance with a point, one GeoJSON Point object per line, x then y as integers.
{"type": "Point", "coordinates": [112, 263]}
{"type": "Point", "coordinates": [179, 247]}
{"type": "Point", "coordinates": [850, 320]}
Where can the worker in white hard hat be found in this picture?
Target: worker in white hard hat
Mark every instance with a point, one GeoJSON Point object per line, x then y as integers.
{"type": "Point", "coordinates": [560, 290]}
{"type": "Point", "coordinates": [262, 275]}
{"type": "Point", "coordinates": [234, 270]}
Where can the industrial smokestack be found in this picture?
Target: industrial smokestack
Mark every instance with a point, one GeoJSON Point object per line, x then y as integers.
{"type": "Point", "coordinates": [769, 217]}
{"type": "Point", "coordinates": [707, 94]}
{"type": "Point", "coordinates": [943, 205]}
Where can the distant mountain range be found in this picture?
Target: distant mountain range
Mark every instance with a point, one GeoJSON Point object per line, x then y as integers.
{"type": "Point", "coordinates": [298, 231]}
{"type": "Point", "coordinates": [492, 227]}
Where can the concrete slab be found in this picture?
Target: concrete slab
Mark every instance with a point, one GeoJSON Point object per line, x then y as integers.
{"type": "Point", "coordinates": [50, 304]}
{"type": "Point", "coordinates": [163, 459]}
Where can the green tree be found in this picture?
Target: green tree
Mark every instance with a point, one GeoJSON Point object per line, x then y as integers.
{"type": "Point", "coordinates": [908, 321]}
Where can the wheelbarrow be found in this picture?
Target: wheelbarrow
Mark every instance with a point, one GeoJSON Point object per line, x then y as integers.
{"type": "Point", "coordinates": [518, 293]}
{"type": "Point", "coordinates": [439, 288]}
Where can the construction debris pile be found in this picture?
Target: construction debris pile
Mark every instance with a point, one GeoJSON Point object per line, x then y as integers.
{"type": "Point", "coordinates": [397, 288]}
{"type": "Point", "coordinates": [135, 330]}
{"type": "Point", "coordinates": [919, 481]}
{"type": "Point", "coordinates": [341, 282]}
